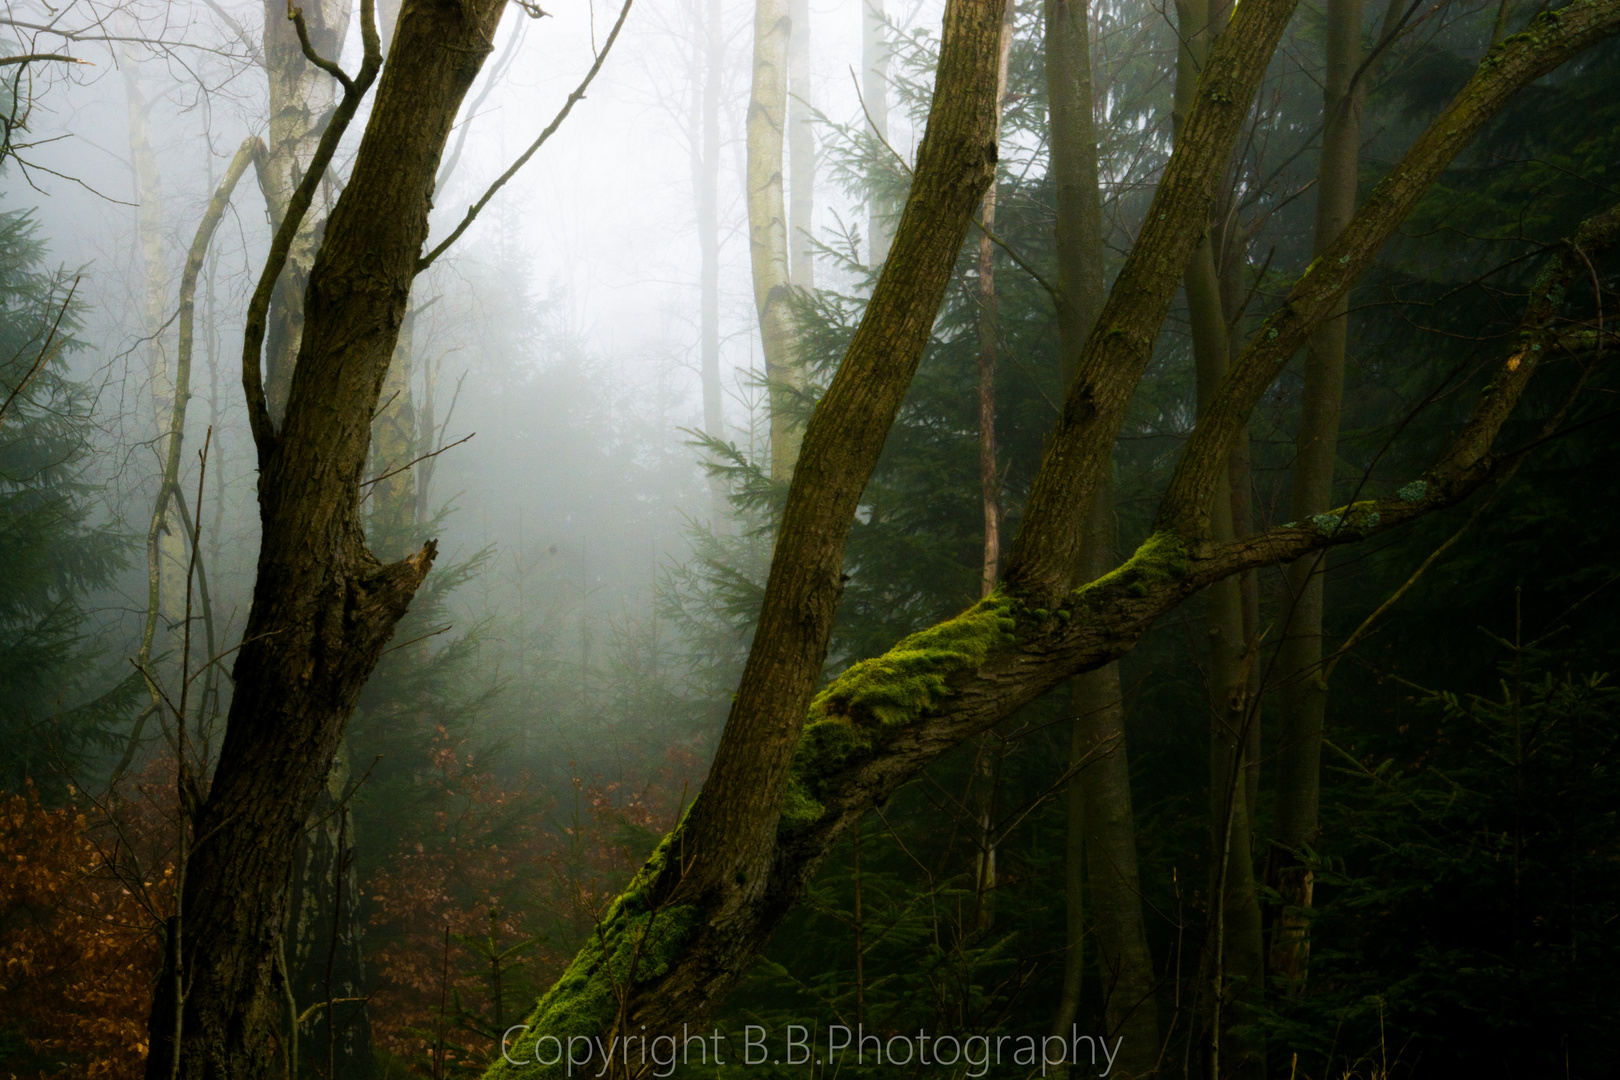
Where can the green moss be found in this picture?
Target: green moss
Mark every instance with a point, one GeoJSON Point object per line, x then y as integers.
{"type": "Point", "coordinates": [633, 944]}
{"type": "Point", "coordinates": [1160, 560]}
{"type": "Point", "coordinates": [889, 690]}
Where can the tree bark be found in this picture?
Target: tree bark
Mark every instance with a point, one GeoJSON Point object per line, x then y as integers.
{"type": "Point", "coordinates": [323, 606]}
{"type": "Point", "coordinates": [301, 96]}
{"type": "Point", "coordinates": [1235, 905]}
{"type": "Point", "coordinates": [768, 243]}
{"type": "Point", "coordinates": [1100, 816]}
{"type": "Point", "coordinates": [788, 780]}
{"type": "Point", "coordinates": [1302, 696]}
{"type": "Point", "coordinates": [801, 152]}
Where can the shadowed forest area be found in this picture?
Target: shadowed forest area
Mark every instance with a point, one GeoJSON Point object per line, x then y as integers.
{"type": "Point", "coordinates": [781, 538]}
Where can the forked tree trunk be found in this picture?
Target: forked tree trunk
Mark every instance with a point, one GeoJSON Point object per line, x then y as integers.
{"type": "Point", "coordinates": [323, 606]}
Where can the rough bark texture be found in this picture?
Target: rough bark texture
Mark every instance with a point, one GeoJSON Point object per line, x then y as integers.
{"type": "Point", "coordinates": [1302, 697]}
{"type": "Point", "coordinates": [323, 605]}
{"type": "Point", "coordinates": [789, 779]}
{"type": "Point", "coordinates": [768, 244]}
{"type": "Point", "coordinates": [704, 904]}
{"type": "Point", "coordinates": [1043, 558]}
{"type": "Point", "coordinates": [301, 96]}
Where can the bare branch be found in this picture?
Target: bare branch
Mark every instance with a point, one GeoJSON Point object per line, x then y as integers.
{"type": "Point", "coordinates": [523, 159]}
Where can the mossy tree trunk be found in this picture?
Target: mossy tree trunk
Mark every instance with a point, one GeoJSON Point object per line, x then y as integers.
{"type": "Point", "coordinates": [792, 774]}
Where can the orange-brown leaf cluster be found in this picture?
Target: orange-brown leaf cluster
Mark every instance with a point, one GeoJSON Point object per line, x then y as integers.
{"type": "Point", "coordinates": [547, 867]}
{"type": "Point", "coordinates": [81, 905]}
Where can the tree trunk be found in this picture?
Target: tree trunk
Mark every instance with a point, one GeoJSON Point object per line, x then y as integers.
{"type": "Point", "coordinates": [1303, 694]}
{"type": "Point", "coordinates": [166, 569]}
{"type": "Point", "coordinates": [875, 98]}
{"type": "Point", "coordinates": [790, 780]}
{"type": "Point", "coordinates": [706, 176]}
{"type": "Point", "coordinates": [326, 969]}
{"type": "Point", "coordinates": [1235, 926]}
{"type": "Point", "coordinates": [801, 152]}
{"type": "Point", "coordinates": [323, 606]}
{"type": "Point", "coordinates": [1099, 797]}
{"type": "Point", "coordinates": [768, 229]}
{"type": "Point", "coordinates": [301, 96]}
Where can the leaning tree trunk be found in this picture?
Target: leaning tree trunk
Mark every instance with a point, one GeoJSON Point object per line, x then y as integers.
{"type": "Point", "coordinates": [789, 781]}
{"type": "Point", "coordinates": [1303, 695]}
{"type": "Point", "coordinates": [1099, 794]}
{"type": "Point", "coordinates": [323, 606]}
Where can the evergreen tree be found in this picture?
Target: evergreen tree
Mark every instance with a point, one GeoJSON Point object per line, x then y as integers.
{"type": "Point", "coordinates": [57, 709]}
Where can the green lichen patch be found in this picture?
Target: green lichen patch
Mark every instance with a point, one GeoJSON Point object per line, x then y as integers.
{"type": "Point", "coordinates": [1357, 517]}
{"type": "Point", "coordinates": [1412, 492]}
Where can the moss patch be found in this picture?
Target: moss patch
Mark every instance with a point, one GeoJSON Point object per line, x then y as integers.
{"type": "Point", "coordinates": [633, 944]}
{"type": "Point", "coordinates": [895, 688]}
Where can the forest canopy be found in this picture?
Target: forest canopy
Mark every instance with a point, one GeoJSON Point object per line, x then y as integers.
{"type": "Point", "coordinates": [965, 538]}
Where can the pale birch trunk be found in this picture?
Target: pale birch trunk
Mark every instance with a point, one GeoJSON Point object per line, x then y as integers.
{"type": "Point", "coordinates": [801, 152]}
{"type": "Point", "coordinates": [767, 228]}
{"type": "Point", "coordinates": [166, 556]}
{"type": "Point", "coordinates": [706, 179]}
{"type": "Point", "coordinates": [301, 96]}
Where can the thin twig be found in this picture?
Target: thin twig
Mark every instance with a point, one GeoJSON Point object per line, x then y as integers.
{"type": "Point", "coordinates": [523, 159]}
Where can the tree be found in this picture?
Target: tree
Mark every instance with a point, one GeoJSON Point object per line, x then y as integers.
{"type": "Point", "coordinates": [55, 709]}
{"type": "Point", "coordinates": [792, 775]}
{"type": "Point", "coordinates": [789, 777]}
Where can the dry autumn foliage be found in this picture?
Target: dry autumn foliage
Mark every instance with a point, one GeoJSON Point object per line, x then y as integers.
{"type": "Point", "coordinates": [81, 899]}
{"type": "Point", "coordinates": [504, 877]}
